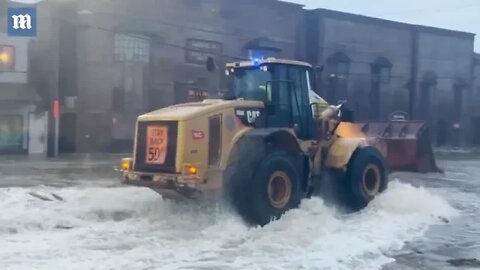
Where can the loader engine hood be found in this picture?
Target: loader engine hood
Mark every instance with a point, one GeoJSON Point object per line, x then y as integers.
{"type": "Point", "coordinates": [191, 137]}
{"type": "Point", "coordinates": [188, 111]}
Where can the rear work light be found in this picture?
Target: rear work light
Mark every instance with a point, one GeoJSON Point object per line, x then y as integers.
{"type": "Point", "coordinates": [190, 170]}
{"type": "Point", "coordinates": [126, 164]}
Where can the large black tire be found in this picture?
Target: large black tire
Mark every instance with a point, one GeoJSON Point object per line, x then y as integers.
{"type": "Point", "coordinates": [366, 177]}
{"type": "Point", "coordinates": [247, 184]}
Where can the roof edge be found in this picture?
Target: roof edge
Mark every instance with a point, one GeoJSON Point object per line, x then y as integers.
{"type": "Point", "coordinates": [375, 20]}
{"type": "Point", "coordinates": [286, 2]}
{"type": "Point", "coordinates": [476, 58]}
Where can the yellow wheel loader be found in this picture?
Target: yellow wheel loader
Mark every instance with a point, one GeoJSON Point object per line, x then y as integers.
{"type": "Point", "coordinates": [263, 148]}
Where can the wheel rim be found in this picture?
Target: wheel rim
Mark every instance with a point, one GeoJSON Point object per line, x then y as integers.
{"type": "Point", "coordinates": [371, 179]}
{"type": "Point", "coordinates": [279, 189]}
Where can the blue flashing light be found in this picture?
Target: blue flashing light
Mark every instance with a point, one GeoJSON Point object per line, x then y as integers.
{"type": "Point", "coordinates": [256, 59]}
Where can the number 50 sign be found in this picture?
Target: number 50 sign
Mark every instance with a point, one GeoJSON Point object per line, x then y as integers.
{"type": "Point", "coordinates": [156, 147]}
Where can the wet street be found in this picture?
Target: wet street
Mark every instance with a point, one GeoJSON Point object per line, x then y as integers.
{"type": "Point", "coordinates": [72, 213]}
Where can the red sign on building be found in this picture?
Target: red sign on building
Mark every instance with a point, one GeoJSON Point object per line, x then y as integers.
{"type": "Point", "coordinates": [56, 109]}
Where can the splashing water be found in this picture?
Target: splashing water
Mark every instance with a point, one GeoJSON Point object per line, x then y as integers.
{"type": "Point", "coordinates": [133, 228]}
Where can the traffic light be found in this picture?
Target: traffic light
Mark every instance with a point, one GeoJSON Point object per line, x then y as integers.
{"type": "Point", "coordinates": [7, 58]}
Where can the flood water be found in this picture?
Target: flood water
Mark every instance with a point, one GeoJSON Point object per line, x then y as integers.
{"type": "Point", "coordinates": [73, 214]}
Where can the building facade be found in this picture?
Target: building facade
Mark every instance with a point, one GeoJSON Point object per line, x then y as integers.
{"type": "Point", "coordinates": [383, 67]}
{"type": "Point", "coordinates": [109, 61]}
{"type": "Point", "coordinates": [23, 120]}
{"type": "Point", "coordinates": [118, 59]}
{"type": "Point", "coordinates": [475, 101]}
{"type": "Point", "coordinates": [444, 80]}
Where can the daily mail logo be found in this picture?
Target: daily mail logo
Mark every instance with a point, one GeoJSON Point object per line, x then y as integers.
{"type": "Point", "coordinates": [22, 22]}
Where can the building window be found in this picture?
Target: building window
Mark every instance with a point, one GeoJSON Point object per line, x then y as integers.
{"type": "Point", "coordinates": [381, 70]}
{"type": "Point", "coordinates": [132, 48]}
{"type": "Point", "coordinates": [118, 99]}
{"type": "Point", "coordinates": [441, 132]}
{"type": "Point", "coordinates": [380, 73]}
{"type": "Point", "coordinates": [11, 132]}
{"type": "Point", "coordinates": [458, 88]}
{"type": "Point", "coordinates": [7, 58]}
{"type": "Point", "coordinates": [338, 66]}
{"type": "Point", "coordinates": [428, 86]}
{"type": "Point", "coordinates": [338, 69]}
{"type": "Point", "coordinates": [426, 89]}
{"type": "Point", "coordinates": [384, 74]}
{"type": "Point", "coordinates": [199, 50]}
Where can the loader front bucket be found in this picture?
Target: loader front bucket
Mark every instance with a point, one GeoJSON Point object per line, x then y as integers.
{"type": "Point", "coordinates": [405, 144]}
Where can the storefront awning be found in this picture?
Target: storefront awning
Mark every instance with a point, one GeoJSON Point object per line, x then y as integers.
{"type": "Point", "coordinates": [18, 92]}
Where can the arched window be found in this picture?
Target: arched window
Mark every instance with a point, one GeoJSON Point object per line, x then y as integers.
{"type": "Point", "coordinates": [338, 66]}
{"type": "Point", "coordinates": [427, 87]}
{"type": "Point", "coordinates": [337, 70]}
{"type": "Point", "coordinates": [381, 70]}
{"type": "Point", "coordinates": [458, 87]}
{"type": "Point", "coordinates": [380, 74]}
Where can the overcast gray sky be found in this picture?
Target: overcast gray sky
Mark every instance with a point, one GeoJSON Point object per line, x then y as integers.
{"type": "Point", "coordinates": [462, 15]}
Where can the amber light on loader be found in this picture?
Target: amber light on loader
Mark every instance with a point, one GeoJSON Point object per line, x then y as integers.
{"type": "Point", "coordinates": [191, 170]}
{"type": "Point", "coordinates": [126, 164]}
{"type": "Point", "coordinates": [349, 130]}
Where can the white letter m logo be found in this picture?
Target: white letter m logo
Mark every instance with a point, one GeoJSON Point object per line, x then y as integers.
{"type": "Point", "coordinates": [22, 21]}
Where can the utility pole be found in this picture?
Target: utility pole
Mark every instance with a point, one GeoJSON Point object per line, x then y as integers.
{"type": "Point", "coordinates": [53, 51]}
{"type": "Point", "coordinates": [56, 116]}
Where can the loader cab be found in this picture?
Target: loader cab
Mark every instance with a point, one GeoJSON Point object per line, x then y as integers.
{"type": "Point", "coordinates": [283, 86]}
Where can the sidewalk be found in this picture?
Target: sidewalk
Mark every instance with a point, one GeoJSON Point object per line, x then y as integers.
{"type": "Point", "coordinates": [62, 171]}
{"type": "Point", "coordinates": [63, 160]}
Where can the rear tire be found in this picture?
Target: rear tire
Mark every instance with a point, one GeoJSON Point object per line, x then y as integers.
{"type": "Point", "coordinates": [366, 177]}
{"type": "Point", "coordinates": [263, 191]}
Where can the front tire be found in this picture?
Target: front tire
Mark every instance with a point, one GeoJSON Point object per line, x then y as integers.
{"type": "Point", "coordinates": [366, 177]}
{"type": "Point", "coordinates": [266, 190]}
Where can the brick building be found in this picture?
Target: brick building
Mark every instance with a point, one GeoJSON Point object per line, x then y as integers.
{"type": "Point", "coordinates": [384, 66]}
{"type": "Point", "coordinates": [109, 61]}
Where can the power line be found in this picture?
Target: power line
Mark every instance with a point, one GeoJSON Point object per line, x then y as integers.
{"type": "Point", "coordinates": [243, 58]}
{"type": "Point", "coordinates": [184, 48]}
{"type": "Point", "coordinates": [248, 37]}
{"type": "Point", "coordinates": [406, 77]}
{"type": "Point", "coordinates": [430, 10]}
{"type": "Point", "coordinates": [163, 43]}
